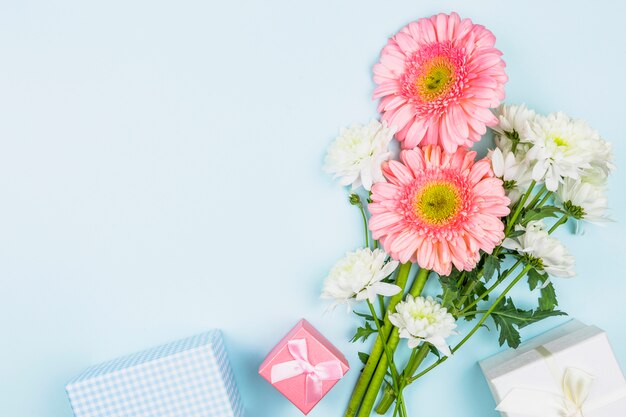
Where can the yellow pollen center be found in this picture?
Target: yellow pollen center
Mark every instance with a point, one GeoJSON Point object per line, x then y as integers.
{"type": "Point", "coordinates": [418, 315]}
{"type": "Point", "coordinates": [436, 80]}
{"type": "Point", "coordinates": [560, 141]}
{"type": "Point", "coordinates": [437, 203]}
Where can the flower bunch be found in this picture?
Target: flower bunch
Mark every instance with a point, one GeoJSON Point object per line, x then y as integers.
{"type": "Point", "coordinates": [560, 154]}
{"type": "Point", "coordinates": [476, 226]}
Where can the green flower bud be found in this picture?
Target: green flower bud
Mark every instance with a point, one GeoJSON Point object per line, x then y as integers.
{"type": "Point", "coordinates": [355, 200]}
{"type": "Point", "coordinates": [536, 263]}
{"type": "Point", "coordinates": [509, 185]}
{"type": "Point", "coordinates": [574, 211]}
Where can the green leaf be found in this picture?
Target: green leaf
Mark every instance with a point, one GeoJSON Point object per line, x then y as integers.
{"type": "Point", "coordinates": [478, 289]}
{"type": "Point", "coordinates": [471, 275]}
{"type": "Point", "coordinates": [548, 301]}
{"type": "Point", "coordinates": [434, 351]}
{"type": "Point", "coordinates": [509, 319]}
{"type": "Point", "coordinates": [450, 293]}
{"type": "Point", "coordinates": [515, 233]}
{"type": "Point", "coordinates": [364, 357]}
{"type": "Point", "coordinates": [508, 333]}
{"type": "Point", "coordinates": [540, 213]}
{"type": "Point", "coordinates": [468, 316]}
{"type": "Point", "coordinates": [363, 333]}
{"type": "Point", "coordinates": [492, 264]}
{"type": "Point", "coordinates": [366, 316]}
{"type": "Point", "coordinates": [535, 277]}
{"type": "Point", "coordinates": [538, 315]}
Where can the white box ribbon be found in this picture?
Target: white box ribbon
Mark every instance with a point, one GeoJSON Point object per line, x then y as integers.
{"type": "Point", "coordinates": [571, 400]}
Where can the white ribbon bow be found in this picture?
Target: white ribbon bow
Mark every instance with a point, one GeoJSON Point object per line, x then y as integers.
{"type": "Point", "coordinates": [536, 403]}
{"type": "Point", "coordinates": [323, 371]}
{"type": "Point", "coordinates": [575, 386]}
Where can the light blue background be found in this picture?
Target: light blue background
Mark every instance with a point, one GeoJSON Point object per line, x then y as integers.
{"type": "Point", "coordinates": [160, 175]}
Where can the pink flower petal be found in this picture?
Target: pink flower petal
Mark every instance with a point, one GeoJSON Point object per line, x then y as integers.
{"type": "Point", "coordinates": [414, 160]}
{"type": "Point", "coordinates": [400, 172]}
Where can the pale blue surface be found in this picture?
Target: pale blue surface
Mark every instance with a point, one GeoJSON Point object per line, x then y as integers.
{"type": "Point", "coordinates": [160, 176]}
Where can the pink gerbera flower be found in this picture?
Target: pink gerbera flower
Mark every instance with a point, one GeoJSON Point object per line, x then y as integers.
{"type": "Point", "coordinates": [438, 78]}
{"type": "Point", "coordinates": [438, 209]}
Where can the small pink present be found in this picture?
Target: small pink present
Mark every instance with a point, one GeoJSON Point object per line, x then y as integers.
{"type": "Point", "coordinates": [304, 366]}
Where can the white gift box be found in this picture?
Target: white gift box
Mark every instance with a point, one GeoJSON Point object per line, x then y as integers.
{"type": "Point", "coordinates": [187, 378]}
{"type": "Point", "coordinates": [570, 371]}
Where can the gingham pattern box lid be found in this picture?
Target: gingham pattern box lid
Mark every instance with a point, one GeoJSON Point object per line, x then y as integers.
{"type": "Point", "coordinates": [188, 378]}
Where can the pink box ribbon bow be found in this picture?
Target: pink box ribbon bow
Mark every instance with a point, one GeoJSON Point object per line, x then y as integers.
{"type": "Point", "coordinates": [323, 371]}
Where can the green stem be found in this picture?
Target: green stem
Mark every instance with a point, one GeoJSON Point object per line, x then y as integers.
{"type": "Point", "coordinates": [392, 365]}
{"type": "Point", "coordinates": [478, 325]}
{"type": "Point", "coordinates": [381, 305]}
{"type": "Point", "coordinates": [466, 293]}
{"type": "Point", "coordinates": [532, 203]}
{"type": "Point", "coordinates": [377, 350]}
{"type": "Point", "coordinates": [379, 374]}
{"type": "Point", "coordinates": [417, 357]}
{"type": "Point", "coordinates": [378, 378]}
{"type": "Point", "coordinates": [469, 313]}
{"type": "Point", "coordinates": [402, 405]}
{"type": "Point", "coordinates": [521, 275]}
{"type": "Point", "coordinates": [416, 360]}
{"type": "Point", "coordinates": [401, 399]}
{"type": "Point", "coordinates": [544, 199]}
{"type": "Point", "coordinates": [367, 233]}
{"type": "Point", "coordinates": [519, 207]}
{"type": "Point", "coordinates": [389, 396]}
{"type": "Point", "coordinates": [459, 282]}
{"type": "Point", "coordinates": [558, 223]}
{"type": "Point", "coordinates": [396, 409]}
{"type": "Point", "coordinates": [488, 291]}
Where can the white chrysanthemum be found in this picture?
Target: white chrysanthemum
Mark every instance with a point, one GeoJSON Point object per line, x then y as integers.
{"type": "Point", "coordinates": [514, 172]}
{"type": "Point", "coordinates": [583, 200]}
{"type": "Point", "coordinates": [422, 319]}
{"type": "Point", "coordinates": [358, 276]}
{"type": "Point", "coordinates": [597, 175]}
{"type": "Point", "coordinates": [356, 155]}
{"type": "Point", "coordinates": [536, 242]}
{"type": "Point", "coordinates": [601, 163]}
{"type": "Point", "coordinates": [564, 148]}
{"type": "Point", "coordinates": [513, 127]}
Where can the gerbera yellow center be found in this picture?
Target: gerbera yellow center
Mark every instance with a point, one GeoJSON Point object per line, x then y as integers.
{"type": "Point", "coordinates": [437, 203]}
{"type": "Point", "coordinates": [436, 80]}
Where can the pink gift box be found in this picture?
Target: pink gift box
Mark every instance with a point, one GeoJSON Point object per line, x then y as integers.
{"type": "Point", "coordinates": [304, 366]}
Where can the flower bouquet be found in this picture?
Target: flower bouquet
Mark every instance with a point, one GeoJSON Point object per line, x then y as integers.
{"type": "Point", "coordinates": [476, 226]}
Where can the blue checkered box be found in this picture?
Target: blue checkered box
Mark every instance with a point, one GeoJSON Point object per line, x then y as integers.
{"type": "Point", "coordinates": [188, 378]}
